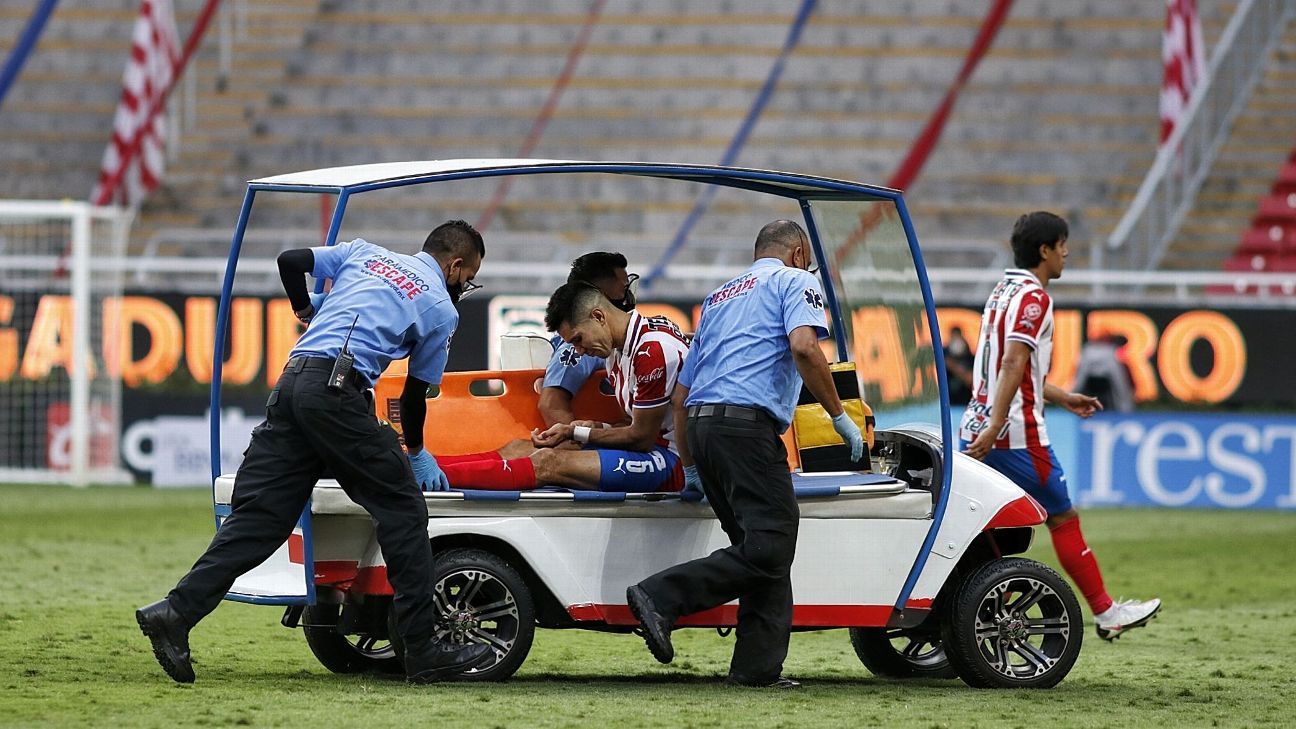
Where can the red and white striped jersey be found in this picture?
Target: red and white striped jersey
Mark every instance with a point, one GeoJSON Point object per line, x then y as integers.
{"type": "Point", "coordinates": [644, 371]}
{"type": "Point", "coordinates": [1018, 310]}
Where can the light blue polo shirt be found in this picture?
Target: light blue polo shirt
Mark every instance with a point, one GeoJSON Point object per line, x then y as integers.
{"type": "Point", "coordinates": [402, 305]}
{"type": "Point", "coordinates": [568, 368]}
{"type": "Point", "coordinates": [740, 354]}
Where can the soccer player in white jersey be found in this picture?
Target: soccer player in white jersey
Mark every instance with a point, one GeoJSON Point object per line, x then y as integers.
{"type": "Point", "coordinates": [644, 356]}
{"type": "Point", "coordinates": [1004, 423]}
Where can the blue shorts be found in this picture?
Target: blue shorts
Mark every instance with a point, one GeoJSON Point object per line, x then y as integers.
{"type": "Point", "coordinates": [1036, 470]}
{"type": "Point", "coordinates": [640, 471]}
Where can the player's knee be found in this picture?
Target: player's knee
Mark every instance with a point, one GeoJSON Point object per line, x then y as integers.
{"type": "Point", "coordinates": [547, 463]}
{"type": "Point", "coordinates": [1056, 520]}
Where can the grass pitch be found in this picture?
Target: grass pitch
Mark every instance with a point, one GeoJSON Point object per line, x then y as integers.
{"type": "Point", "coordinates": [80, 562]}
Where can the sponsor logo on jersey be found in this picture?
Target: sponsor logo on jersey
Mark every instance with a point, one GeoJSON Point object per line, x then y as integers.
{"type": "Point", "coordinates": [653, 376]}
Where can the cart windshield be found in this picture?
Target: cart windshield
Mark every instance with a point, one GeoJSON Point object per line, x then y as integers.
{"type": "Point", "coordinates": [880, 294]}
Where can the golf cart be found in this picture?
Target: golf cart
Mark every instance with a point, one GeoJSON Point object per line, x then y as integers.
{"type": "Point", "coordinates": [911, 557]}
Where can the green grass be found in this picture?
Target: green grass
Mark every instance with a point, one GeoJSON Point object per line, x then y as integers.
{"type": "Point", "coordinates": [79, 562]}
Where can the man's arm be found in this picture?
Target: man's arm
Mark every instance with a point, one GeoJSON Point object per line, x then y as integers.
{"type": "Point", "coordinates": [555, 406]}
{"type": "Point", "coordinates": [1082, 405]}
{"type": "Point", "coordinates": [680, 413]}
{"type": "Point", "coordinates": [1011, 370]}
{"type": "Point", "coordinates": [413, 403]}
{"type": "Point", "coordinates": [640, 435]}
{"type": "Point", "coordinates": [293, 266]}
{"type": "Point", "coordinates": [812, 365]}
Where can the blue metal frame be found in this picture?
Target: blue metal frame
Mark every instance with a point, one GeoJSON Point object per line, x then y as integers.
{"type": "Point", "coordinates": [839, 324]}
{"type": "Point", "coordinates": [764, 181]}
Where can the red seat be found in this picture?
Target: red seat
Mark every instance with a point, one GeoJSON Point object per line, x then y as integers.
{"type": "Point", "coordinates": [1240, 263]}
{"type": "Point", "coordinates": [1277, 209]}
{"type": "Point", "coordinates": [1285, 183]}
{"type": "Point", "coordinates": [1262, 241]}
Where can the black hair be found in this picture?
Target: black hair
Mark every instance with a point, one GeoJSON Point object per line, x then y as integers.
{"type": "Point", "coordinates": [571, 304]}
{"type": "Point", "coordinates": [455, 238]}
{"type": "Point", "coordinates": [1032, 231]}
{"type": "Point", "coordinates": [595, 267]}
{"type": "Point", "coordinates": [780, 235]}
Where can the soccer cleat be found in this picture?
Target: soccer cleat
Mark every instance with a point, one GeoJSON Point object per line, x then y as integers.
{"type": "Point", "coordinates": [1125, 615]}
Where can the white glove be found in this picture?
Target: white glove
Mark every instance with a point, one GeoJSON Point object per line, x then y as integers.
{"type": "Point", "coordinates": [850, 435]}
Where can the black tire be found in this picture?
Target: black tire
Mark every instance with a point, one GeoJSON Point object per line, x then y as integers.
{"type": "Point", "coordinates": [346, 653]}
{"type": "Point", "coordinates": [480, 598]}
{"type": "Point", "coordinates": [1013, 623]}
{"type": "Point", "coordinates": [902, 653]}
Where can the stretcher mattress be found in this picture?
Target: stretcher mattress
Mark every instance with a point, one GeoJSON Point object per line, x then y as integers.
{"type": "Point", "coordinates": [820, 496]}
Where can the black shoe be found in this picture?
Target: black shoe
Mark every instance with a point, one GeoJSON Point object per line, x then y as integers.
{"type": "Point", "coordinates": [656, 631]}
{"type": "Point", "coordinates": [169, 634]}
{"type": "Point", "coordinates": [437, 660]}
{"type": "Point", "coordinates": [778, 683]}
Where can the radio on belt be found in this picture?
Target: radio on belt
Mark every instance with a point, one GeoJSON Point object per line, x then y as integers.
{"type": "Point", "coordinates": [345, 360]}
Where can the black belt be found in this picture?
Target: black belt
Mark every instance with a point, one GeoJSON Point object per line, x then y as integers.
{"type": "Point", "coordinates": [299, 363]}
{"type": "Point", "coordinates": [727, 411]}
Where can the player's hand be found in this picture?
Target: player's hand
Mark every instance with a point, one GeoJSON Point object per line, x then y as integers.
{"type": "Point", "coordinates": [850, 435]}
{"type": "Point", "coordinates": [692, 490]}
{"type": "Point", "coordinates": [1082, 405]}
{"type": "Point", "coordinates": [555, 434]}
{"type": "Point", "coordinates": [427, 474]}
{"type": "Point", "coordinates": [980, 447]}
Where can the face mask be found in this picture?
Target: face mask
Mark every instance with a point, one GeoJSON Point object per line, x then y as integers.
{"type": "Point", "coordinates": [455, 291]}
{"type": "Point", "coordinates": [626, 304]}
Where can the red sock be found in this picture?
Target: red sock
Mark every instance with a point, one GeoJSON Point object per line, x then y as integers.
{"type": "Point", "coordinates": [468, 457]}
{"type": "Point", "coordinates": [1079, 562]}
{"type": "Point", "coordinates": [497, 474]}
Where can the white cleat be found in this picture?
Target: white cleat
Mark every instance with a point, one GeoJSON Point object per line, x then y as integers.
{"type": "Point", "coordinates": [1125, 615]}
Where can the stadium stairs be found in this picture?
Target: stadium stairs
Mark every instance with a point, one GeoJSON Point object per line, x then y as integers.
{"type": "Point", "coordinates": [1253, 185]}
{"type": "Point", "coordinates": [1060, 115]}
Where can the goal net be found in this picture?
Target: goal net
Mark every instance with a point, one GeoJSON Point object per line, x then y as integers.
{"type": "Point", "coordinates": [61, 276]}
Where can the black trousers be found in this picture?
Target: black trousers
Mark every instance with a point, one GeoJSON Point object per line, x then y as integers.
{"type": "Point", "coordinates": [744, 471]}
{"type": "Point", "coordinates": [309, 427]}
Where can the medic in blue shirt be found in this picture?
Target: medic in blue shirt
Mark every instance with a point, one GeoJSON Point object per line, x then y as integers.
{"type": "Point", "coordinates": [382, 306]}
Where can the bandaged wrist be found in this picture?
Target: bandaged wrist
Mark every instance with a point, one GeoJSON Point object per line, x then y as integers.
{"type": "Point", "coordinates": [580, 433]}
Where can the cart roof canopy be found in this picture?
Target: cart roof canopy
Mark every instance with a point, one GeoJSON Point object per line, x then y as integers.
{"type": "Point", "coordinates": [359, 178]}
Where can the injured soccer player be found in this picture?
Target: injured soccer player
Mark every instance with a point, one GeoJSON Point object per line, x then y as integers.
{"type": "Point", "coordinates": [644, 357]}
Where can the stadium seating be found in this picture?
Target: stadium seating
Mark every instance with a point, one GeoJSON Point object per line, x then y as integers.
{"type": "Point", "coordinates": [1061, 114]}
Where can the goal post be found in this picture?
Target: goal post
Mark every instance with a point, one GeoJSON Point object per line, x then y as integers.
{"type": "Point", "coordinates": [60, 393]}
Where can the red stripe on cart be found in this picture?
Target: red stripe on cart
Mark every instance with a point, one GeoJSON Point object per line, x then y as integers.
{"type": "Point", "coordinates": [826, 616]}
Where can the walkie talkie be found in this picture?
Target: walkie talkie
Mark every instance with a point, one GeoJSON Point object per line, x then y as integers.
{"type": "Point", "coordinates": [345, 360]}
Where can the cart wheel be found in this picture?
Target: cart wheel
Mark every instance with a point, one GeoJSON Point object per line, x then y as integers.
{"type": "Point", "coordinates": [1013, 623]}
{"type": "Point", "coordinates": [901, 653]}
{"type": "Point", "coordinates": [481, 599]}
{"type": "Point", "coordinates": [346, 653]}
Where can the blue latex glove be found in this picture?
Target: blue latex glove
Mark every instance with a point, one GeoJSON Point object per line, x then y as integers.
{"type": "Point", "coordinates": [692, 490]}
{"type": "Point", "coordinates": [427, 474]}
{"type": "Point", "coordinates": [317, 300]}
{"type": "Point", "coordinates": [850, 435]}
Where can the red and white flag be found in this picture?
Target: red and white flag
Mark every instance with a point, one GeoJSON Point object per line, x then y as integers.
{"type": "Point", "coordinates": [155, 51]}
{"type": "Point", "coordinates": [1184, 56]}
